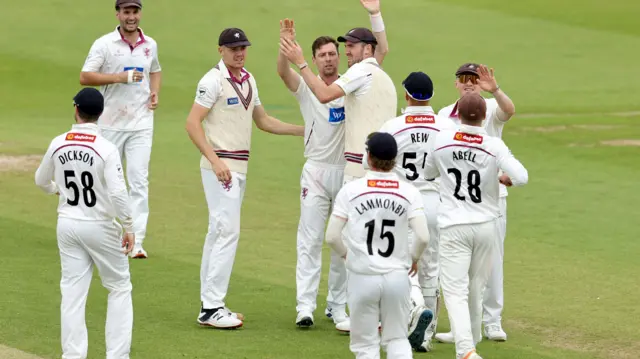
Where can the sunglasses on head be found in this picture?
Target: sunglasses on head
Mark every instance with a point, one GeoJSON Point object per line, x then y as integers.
{"type": "Point", "coordinates": [464, 78]}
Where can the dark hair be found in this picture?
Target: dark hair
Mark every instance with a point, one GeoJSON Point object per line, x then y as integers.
{"type": "Point", "coordinates": [382, 165]}
{"type": "Point", "coordinates": [321, 41]}
{"type": "Point", "coordinates": [87, 118]}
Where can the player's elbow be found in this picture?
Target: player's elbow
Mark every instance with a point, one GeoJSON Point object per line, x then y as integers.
{"type": "Point", "coordinates": [325, 98]}
{"type": "Point", "coordinates": [84, 79]}
{"type": "Point", "coordinates": [511, 110]}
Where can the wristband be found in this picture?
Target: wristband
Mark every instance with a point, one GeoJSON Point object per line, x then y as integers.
{"type": "Point", "coordinates": [497, 89]}
{"type": "Point", "coordinates": [377, 25]}
{"type": "Point", "coordinates": [130, 76]}
{"type": "Point", "coordinates": [303, 65]}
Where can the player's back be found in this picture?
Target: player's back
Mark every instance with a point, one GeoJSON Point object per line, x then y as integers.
{"type": "Point", "coordinates": [415, 131]}
{"type": "Point", "coordinates": [378, 207]}
{"type": "Point", "coordinates": [79, 166]}
{"type": "Point", "coordinates": [467, 160]}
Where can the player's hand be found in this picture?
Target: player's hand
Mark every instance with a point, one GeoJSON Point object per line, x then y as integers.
{"type": "Point", "coordinates": [372, 6]}
{"type": "Point", "coordinates": [486, 79]}
{"type": "Point", "coordinates": [221, 170]}
{"type": "Point", "coordinates": [128, 240]}
{"type": "Point", "coordinates": [414, 269]}
{"type": "Point", "coordinates": [505, 180]}
{"type": "Point", "coordinates": [287, 29]}
{"type": "Point", "coordinates": [153, 102]}
{"type": "Point", "coordinates": [292, 51]}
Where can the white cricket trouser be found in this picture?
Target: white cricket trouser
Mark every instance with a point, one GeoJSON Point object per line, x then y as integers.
{"type": "Point", "coordinates": [135, 150]}
{"type": "Point", "coordinates": [467, 253]}
{"type": "Point", "coordinates": [319, 184]}
{"type": "Point", "coordinates": [493, 302]}
{"type": "Point", "coordinates": [379, 298]}
{"type": "Point", "coordinates": [221, 242]}
{"type": "Point", "coordinates": [429, 268]}
{"type": "Point", "coordinates": [82, 245]}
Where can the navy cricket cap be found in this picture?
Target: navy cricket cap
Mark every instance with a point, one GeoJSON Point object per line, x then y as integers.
{"type": "Point", "coordinates": [359, 34]}
{"type": "Point", "coordinates": [232, 37]}
{"type": "Point", "coordinates": [382, 146]}
{"type": "Point", "coordinates": [89, 101]}
{"type": "Point", "coordinates": [419, 86]}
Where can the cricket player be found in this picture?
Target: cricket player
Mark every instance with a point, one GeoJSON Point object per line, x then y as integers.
{"type": "Point", "coordinates": [322, 174]}
{"type": "Point", "coordinates": [84, 169]}
{"type": "Point", "coordinates": [369, 93]}
{"type": "Point", "coordinates": [414, 131]}
{"type": "Point", "coordinates": [219, 124]}
{"type": "Point", "coordinates": [471, 77]}
{"type": "Point", "coordinates": [377, 212]}
{"type": "Point", "coordinates": [124, 63]}
{"type": "Point", "coordinates": [468, 161]}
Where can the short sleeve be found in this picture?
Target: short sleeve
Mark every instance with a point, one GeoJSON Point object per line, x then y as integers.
{"type": "Point", "coordinates": [416, 207]}
{"type": "Point", "coordinates": [354, 79]}
{"type": "Point", "coordinates": [208, 90]}
{"type": "Point", "coordinates": [155, 62]}
{"type": "Point", "coordinates": [301, 90]}
{"type": "Point", "coordinates": [340, 206]}
{"type": "Point", "coordinates": [96, 57]}
{"type": "Point", "coordinates": [257, 101]}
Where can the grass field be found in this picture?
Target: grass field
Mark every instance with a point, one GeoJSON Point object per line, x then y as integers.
{"type": "Point", "coordinates": [571, 251]}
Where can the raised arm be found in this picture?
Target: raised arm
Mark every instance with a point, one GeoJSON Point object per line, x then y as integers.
{"type": "Point", "coordinates": [323, 93]}
{"type": "Point", "coordinates": [290, 78]}
{"type": "Point", "coordinates": [487, 81]}
{"type": "Point", "coordinates": [378, 29]}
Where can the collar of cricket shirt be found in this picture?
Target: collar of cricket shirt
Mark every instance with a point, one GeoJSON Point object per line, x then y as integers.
{"type": "Point", "coordinates": [117, 36]}
{"type": "Point", "coordinates": [473, 129]}
{"type": "Point", "coordinates": [85, 126]}
{"type": "Point", "coordinates": [427, 110]}
{"type": "Point", "coordinates": [226, 73]}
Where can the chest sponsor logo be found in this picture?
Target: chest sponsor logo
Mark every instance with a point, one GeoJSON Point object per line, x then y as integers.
{"type": "Point", "coordinates": [336, 115]}
{"type": "Point", "coordinates": [233, 101]}
{"type": "Point", "coordinates": [81, 137]}
{"type": "Point", "coordinates": [419, 119]}
{"type": "Point", "coordinates": [382, 184]}
{"type": "Point", "coordinates": [469, 138]}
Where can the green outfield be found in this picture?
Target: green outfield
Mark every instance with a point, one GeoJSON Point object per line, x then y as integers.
{"type": "Point", "coordinates": [571, 263]}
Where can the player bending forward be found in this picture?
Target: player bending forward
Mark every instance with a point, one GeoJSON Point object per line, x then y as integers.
{"type": "Point", "coordinates": [468, 160]}
{"type": "Point", "coordinates": [414, 132]}
{"type": "Point", "coordinates": [87, 174]}
{"type": "Point", "coordinates": [377, 211]}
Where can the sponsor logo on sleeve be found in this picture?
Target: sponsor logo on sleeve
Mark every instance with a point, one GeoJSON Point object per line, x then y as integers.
{"type": "Point", "coordinates": [80, 137]}
{"type": "Point", "coordinates": [467, 137]}
{"type": "Point", "coordinates": [419, 119]}
{"type": "Point", "coordinates": [382, 184]}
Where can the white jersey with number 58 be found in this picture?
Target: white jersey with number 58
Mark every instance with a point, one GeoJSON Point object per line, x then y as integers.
{"type": "Point", "coordinates": [86, 170]}
{"type": "Point", "coordinates": [468, 160]}
{"type": "Point", "coordinates": [378, 208]}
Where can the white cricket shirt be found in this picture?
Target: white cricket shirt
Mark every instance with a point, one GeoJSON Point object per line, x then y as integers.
{"type": "Point", "coordinates": [467, 161]}
{"type": "Point", "coordinates": [125, 105]}
{"type": "Point", "coordinates": [370, 100]}
{"type": "Point", "coordinates": [323, 126]}
{"type": "Point", "coordinates": [378, 208]}
{"type": "Point", "coordinates": [415, 132]}
{"type": "Point", "coordinates": [494, 123]}
{"type": "Point", "coordinates": [86, 170]}
{"type": "Point", "coordinates": [228, 125]}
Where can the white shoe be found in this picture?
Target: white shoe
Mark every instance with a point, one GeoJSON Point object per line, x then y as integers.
{"type": "Point", "coordinates": [494, 332]}
{"type": "Point", "coordinates": [304, 319]}
{"type": "Point", "coordinates": [470, 355]}
{"type": "Point", "coordinates": [425, 347]}
{"type": "Point", "coordinates": [220, 318]}
{"type": "Point", "coordinates": [138, 252]}
{"type": "Point", "coordinates": [445, 338]}
{"type": "Point", "coordinates": [344, 326]}
{"type": "Point", "coordinates": [238, 316]}
{"type": "Point", "coordinates": [420, 319]}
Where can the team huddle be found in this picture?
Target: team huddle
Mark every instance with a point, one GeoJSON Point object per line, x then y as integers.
{"type": "Point", "coordinates": [408, 204]}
